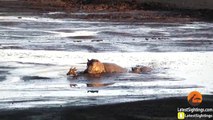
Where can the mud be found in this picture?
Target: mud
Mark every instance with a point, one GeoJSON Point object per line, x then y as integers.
{"type": "Point", "coordinates": [40, 43]}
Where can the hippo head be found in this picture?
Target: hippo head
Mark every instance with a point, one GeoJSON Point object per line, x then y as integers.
{"type": "Point", "coordinates": [94, 66]}
{"type": "Point", "coordinates": [72, 71]}
{"type": "Point", "coordinates": [141, 69]}
{"type": "Point", "coordinates": [136, 69]}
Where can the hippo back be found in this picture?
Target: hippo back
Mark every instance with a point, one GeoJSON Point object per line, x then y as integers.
{"type": "Point", "coordinates": [113, 68]}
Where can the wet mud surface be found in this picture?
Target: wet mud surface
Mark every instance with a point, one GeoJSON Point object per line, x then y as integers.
{"type": "Point", "coordinates": [37, 48]}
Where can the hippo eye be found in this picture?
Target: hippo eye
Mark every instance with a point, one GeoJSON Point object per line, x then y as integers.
{"type": "Point", "coordinates": [88, 64]}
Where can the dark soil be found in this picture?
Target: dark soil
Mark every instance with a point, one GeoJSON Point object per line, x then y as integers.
{"type": "Point", "coordinates": [162, 109]}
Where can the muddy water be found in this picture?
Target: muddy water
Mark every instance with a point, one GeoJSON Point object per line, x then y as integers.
{"type": "Point", "coordinates": [36, 51]}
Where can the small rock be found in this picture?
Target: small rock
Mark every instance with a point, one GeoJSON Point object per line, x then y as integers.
{"type": "Point", "coordinates": [96, 40]}
{"type": "Point", "coordinates": [77, 41]}
{"type": "Point", "coordinates": [73, 85]}
{"type": "Point", "coordinates": [92, 91]}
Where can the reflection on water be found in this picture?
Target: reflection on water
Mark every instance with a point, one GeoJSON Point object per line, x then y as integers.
{"type": "Point", "coordinates": [36, 53]}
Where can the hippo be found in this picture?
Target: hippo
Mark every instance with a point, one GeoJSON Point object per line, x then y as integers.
{"type": "Point", "coordinates": [95, 67]}
{"type": "Point", "coordinates": [141, 69]}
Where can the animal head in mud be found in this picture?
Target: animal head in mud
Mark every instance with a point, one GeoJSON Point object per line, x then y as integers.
{"type": "Point", "coordinates": [136, 69]}
{"type": "Point", "coordinates": [141, 69]}
{"type": "Point", "coordinates": [94, 66]}
{"type": "Point", "coordinates": [72, 71]}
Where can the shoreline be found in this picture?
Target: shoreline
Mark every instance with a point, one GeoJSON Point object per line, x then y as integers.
{"type": "Point", "coordinates": [132, 10]}
{"type": "Point", "coordinates": [159, 109]}
{"type": "Point", "coordinates": [118, 12]}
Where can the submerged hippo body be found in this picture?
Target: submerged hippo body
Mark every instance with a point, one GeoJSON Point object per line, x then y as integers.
{"type": "Point", "coordinates": [113, 68]}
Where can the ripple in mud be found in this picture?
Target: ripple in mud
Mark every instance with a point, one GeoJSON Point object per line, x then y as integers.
{"type": "Point", "coordinates": [96, 40]}
{"type": "Point", "coordinates": [170, 87]}
{"type": "Point", "coordinates": [175, 87]}
{"type": "Point", "coordinates": [9, 23]}
{"type": "Point", "coordinates": [65, 30]}
{"type": "Point", "coordinates": [27, 78]}
{"type": "Point", "coordinates": [146, 78]}
{"type": "Point", "coordinates": [116, 33]}
{"type": "Point", "coordinates": [87, 47]}
{"type": "Point", "coordinates": [82, 37]}
{"type": "Point", "coordinates": [11, 47]}
{"type": "Point", "coordinates": [3, 72]}
{"type": "Point", "coordinates": [7, 67]}
{"type": "Point", "coordinates": [25, 101]}
{"type": "Point", "coordinates": [2, 78]}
